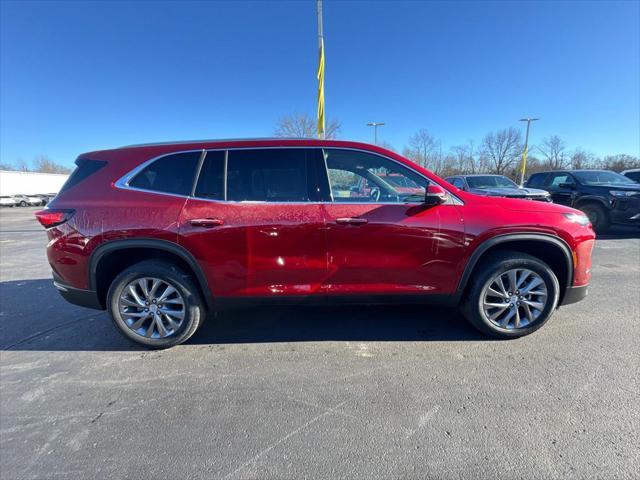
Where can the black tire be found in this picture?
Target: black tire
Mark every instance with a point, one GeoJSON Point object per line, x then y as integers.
{"type": "Point", "coordinates": [194, 306]}
{"type": "Point", "coordinates": [23, 203]}
{"type": "Point", "coordinates": [486, 271]}
{"type": "Point", "coordinates": [598, 216]}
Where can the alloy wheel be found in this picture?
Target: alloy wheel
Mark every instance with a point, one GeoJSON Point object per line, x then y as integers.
{"type": "Point", "coordinates": [514, 299]}
{"type": "Point", "coordinates": [152, 307]}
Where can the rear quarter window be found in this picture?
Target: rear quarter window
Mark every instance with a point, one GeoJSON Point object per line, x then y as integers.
{"type": "Point", "coordinates": [169, 174]}
{"type": "Point", "coordinates": [84, 168]}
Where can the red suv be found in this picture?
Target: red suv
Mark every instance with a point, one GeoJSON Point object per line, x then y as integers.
{"type": "Point", "coordinates": [162, 234]}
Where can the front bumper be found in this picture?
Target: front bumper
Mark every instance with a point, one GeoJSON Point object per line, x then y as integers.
{"type": "Point", "coordinates": [626, 211]}
{"type": "Point", "coordinates": [574, 294]}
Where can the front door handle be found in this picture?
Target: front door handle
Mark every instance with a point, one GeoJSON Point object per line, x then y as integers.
{"type": "Point", "coordinates": [206, 222]}
{"type": "Point", "coordinates": [351, 221]}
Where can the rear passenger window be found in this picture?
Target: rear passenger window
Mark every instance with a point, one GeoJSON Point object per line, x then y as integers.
{"type": "Point", "coordinates": [537, 180]}
{"type": "Point", "coordinates": [170, 174]}
{"type": "Point", "coordinates": [276, 175]}
{"type": "Point", "coordinates": [211, 179]}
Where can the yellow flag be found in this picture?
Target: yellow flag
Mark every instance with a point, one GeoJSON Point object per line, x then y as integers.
{"type": "Point", "coordinates": [321, 91]}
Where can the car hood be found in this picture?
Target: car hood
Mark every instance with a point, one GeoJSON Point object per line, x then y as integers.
{"type": "Point", "coordinates": [510, 192]}
{"type": "Point", "coordinates": [523, 205]}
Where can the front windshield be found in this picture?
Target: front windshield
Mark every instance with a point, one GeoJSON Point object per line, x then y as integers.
{"type": "Point", "coordinates": [490, 181]}
{"type": "Point", "coordinates": [602, 177]}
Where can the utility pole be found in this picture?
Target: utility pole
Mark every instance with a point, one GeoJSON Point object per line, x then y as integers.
{"type": "Point", "coordinates": [523, 165]}
{"type": "Point", "coordinates": [375, 126]}
{"type": "Point", "coordinates": [320, 74]}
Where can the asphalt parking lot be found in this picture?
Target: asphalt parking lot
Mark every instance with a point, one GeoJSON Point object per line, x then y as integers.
{"type": "Point", "coordinates": [375, 392]}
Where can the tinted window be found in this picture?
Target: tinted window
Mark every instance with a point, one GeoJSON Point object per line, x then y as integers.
{"type": "Point", "coordinates": [635, 176]}
{"type": "Point", "coordinates": [457, 182]}
{"type": "Point", "coordinates": [84, 168]}
{"type": "Point", "coordinates": [169, 174]}
{"type": "Point", "coordinates": [211, 178]}
{"type": "Point", "coordinates": [277, 175]}
{"type": "Point", "coordinates": [364, 177]}
{"type": "Point", "coordinates": [490, 181]}
{"type": "Point", "coordinates": [602, 177]}
{"type": "Point", "coordinates": [537, 180]}
{"type": "Point", "coordinates": [558, 178]}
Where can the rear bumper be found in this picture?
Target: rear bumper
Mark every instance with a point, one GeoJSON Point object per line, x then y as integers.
{"type": "Point", "coordinates": [574, 294]}
{"type": "Point", "coordinates": [77, 296]}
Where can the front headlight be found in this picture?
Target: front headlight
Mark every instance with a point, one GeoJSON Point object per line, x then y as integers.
{"type": "Point", "coordinates": [623, 193]}
{"type": "Point", "coordinates": [578, 218]}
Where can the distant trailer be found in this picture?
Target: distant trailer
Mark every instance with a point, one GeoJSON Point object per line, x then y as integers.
{"type": "Point", "coordinates": [30, 183]}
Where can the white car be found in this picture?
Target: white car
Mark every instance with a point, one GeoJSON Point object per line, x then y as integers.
{"type": "Point", "coordinates": [27, 200]}
{"type": "Point", "coordinates": [633, 174]}
{"type": "Point", "coordinates": [8, 201]}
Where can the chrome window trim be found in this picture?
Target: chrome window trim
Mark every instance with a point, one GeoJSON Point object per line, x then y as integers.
{"type": "Point", "coordinates": [123, 182]}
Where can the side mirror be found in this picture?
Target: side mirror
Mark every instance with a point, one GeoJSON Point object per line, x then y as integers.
{"type": "Point", "coordinates": [435, 195]}
{"type": "Point", "coordinates": [570, 186]}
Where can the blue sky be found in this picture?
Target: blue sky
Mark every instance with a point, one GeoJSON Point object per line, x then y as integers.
{"type": "Point", "coordinates": [83, 76]}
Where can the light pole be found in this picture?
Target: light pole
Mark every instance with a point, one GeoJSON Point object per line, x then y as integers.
{"type": "Point", "coordinates": [375, 126]}
{"type": "Point", "coordinates": [523, 165]}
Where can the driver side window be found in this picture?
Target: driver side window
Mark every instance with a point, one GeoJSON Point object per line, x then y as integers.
{"type": "Point", "coordinates": [360, 177]}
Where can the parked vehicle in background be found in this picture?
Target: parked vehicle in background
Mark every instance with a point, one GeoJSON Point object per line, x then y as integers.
{"type": "Point", "coordinates": [8, 201]}
{"type": "Point", "coordinates": [28, 200]}
{"type": "Point", "coordinates": [45, 197]}
{"type": "Point", "coordinates": [606, 197]}
{"type": "Point", "coordinates": [633, 174]}
{"type": "Point", "coordinates": [161, 234]}
{"type": "Point", "coordinates": [496, 186]}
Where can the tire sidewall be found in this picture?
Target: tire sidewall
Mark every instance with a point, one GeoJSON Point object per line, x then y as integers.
{"type": "Point", "coordinates": [174, 277]}
{"type": "Point", "coordinates": [602, 216]}
{"type": "Point", "coordinates": [547, 275]}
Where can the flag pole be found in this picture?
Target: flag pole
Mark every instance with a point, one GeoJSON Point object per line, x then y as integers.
{"type": "Point", "coordinates": [320, 110]}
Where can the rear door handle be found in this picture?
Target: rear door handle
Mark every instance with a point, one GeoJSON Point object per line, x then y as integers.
{"type": "Point", "coordinates": [351, 221]}
{"type": "Point", "coordinates": [206, 222]}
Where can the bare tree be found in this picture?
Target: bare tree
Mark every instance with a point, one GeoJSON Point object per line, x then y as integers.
{"type": "Point", "coordinates": [44, 164]}
{"type": "Point", "coordinates": [387, 145]}
{"type": "Point", "coordinates": [581, 159]}
{"type": "Point", "coordinates": [464, 158]}
{"type": "Point", "coordinates": [21, 165]}
{"type": "Point", "coordinates": [423, 149]}
{"type": "Point", "coordinates": [502, 149]}
{"type": "Point", "coordinates": [301, 125]}
{"type": "Point", "coordinates": [553, 149]}
{"type": "Point", "coordinates": [620, 162]}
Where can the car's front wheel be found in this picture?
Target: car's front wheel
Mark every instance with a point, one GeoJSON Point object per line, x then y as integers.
{"type": "Point", "coordinates": [512, 294]}
{"type": "Point", "coordinates": [156, 304]}
{"type": "Point", "coordinates": [598, 217]}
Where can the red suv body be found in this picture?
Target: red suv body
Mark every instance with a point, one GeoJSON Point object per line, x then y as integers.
{"type": "Point", "coordinates": [274, 219]}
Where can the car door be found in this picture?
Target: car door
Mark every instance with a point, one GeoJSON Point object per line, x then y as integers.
{"type": "Point", "coordinates": [561, 187]}
{"type": "Point", "coordinates": [382, 241]}
{"type": "Point", "coordinates": [254, 222]}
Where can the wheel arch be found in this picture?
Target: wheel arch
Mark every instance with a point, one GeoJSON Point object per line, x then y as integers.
{"type": "Point", "coordinates": [558, 257]}
{"type": "Point", "coordinates": [589, 199]}
{"type": "Point", "coordinates": [107, 261]}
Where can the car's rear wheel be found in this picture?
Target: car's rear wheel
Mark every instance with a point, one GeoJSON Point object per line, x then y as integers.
{"type": "Point", "coordinates": [156, 304]}
{"type": "Point", "coordinates": [598, 217]}
{"type": "Point", "coordinates": [511, 295]}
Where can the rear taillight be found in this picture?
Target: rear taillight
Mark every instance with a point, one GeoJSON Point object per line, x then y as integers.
{"type": "Point", "coordinates": [53, 217]}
